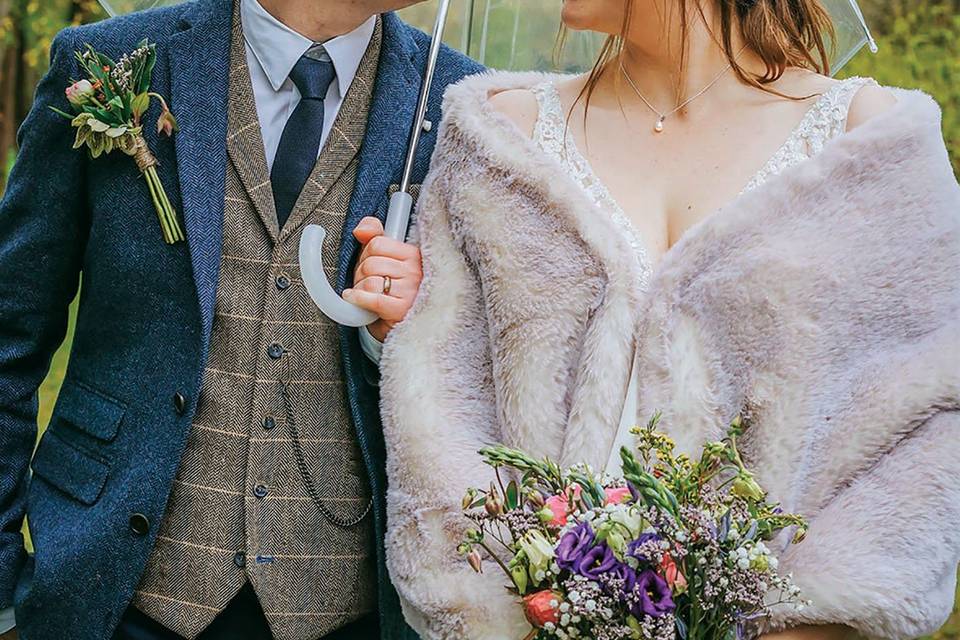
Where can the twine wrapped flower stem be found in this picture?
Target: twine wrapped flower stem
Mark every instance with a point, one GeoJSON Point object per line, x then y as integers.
{"type": "Point", "coordinates": [110, 104]}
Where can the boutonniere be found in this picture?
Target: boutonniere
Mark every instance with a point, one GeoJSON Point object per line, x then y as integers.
{"type": "Point", "coordinates": [109, 106]}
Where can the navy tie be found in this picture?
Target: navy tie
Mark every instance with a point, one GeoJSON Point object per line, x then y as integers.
{"type": "Point", "coordinates": [300, 141]}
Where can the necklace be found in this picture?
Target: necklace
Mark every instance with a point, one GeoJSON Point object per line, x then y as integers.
{"type": "Point", "coordinates": [662, 117]}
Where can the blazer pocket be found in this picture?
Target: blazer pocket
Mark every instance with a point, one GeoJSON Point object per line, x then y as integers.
{"type": "Point", "coordinates": [92, 412]}
{"type": "Point", "coordinates": [69, 469]}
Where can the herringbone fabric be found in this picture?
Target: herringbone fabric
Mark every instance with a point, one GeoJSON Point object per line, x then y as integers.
{"type": "Point", "coordinates": [239, 510]}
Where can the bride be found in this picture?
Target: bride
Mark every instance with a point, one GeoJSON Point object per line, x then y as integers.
{"type": "Point", "coordinates": [708, 226]}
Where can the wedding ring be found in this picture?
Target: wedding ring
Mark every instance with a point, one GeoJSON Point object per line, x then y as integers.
{"type": "Point", "coordinates": [387, 285]}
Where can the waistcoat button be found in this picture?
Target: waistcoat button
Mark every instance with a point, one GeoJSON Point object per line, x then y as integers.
{"type": "Point", "coordinates": [275, 351]}
{"type": "Point", "coordinates": [269, 423]}
{"type": "Point", "coordinates": [283, 282]}
{"type": "Point", "coordinates": [139, 524]}
{"type": "Point", "coordinates": [179, 402]}
{"type": "Point", "coordinates": [260, 491]}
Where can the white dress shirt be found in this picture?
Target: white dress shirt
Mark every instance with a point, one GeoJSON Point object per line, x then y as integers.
{"type": "Point", "coordinates": [273, 49]}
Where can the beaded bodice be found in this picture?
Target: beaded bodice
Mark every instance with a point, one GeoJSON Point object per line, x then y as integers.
{"type": "Point", "coordinates": [824, 121]}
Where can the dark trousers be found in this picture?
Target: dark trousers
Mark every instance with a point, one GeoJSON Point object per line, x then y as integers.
{"type": "Point", "coordinates": [243, 619]}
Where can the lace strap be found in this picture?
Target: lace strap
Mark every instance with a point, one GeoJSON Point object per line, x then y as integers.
{"type": "Point", "coordinates": [549, 130]}
{"type": "Point", "coordinates": [842, 97]}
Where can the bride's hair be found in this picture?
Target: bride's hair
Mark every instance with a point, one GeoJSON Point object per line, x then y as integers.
{"type": "Point", "coordinates": [783, 33]}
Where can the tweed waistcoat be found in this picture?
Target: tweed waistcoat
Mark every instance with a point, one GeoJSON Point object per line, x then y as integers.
{"type": "Point", "coordinates": [272, 407]}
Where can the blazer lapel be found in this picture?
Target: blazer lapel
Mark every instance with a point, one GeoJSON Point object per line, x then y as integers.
{"type": "Point", "coordinates": [199, 69]}
{"type": "Point", "coordinates": [384, 148]}
{"type": "Point", "coordinates": [244, 136]}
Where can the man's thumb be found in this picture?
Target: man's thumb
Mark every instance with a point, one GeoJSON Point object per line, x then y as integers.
{"type": "Point", "coordinates": [368, 229]}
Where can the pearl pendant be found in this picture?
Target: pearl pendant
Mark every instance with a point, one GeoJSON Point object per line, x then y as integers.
{"type": "Point", "coordinates": [659, 126]}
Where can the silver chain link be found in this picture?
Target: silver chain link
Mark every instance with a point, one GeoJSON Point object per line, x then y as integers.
{"type": "Point", "coordinates": [302, 462]}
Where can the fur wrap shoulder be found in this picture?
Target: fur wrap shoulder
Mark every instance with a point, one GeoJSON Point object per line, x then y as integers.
{"type": "Point", "coordinates": [824, 306]}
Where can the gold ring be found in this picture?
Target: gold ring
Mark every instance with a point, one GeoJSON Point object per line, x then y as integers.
{"type": "Point", "coordinates": [387, 285]}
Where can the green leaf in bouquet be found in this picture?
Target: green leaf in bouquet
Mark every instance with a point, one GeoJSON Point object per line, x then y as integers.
{"type": "Point", "coordinates": [752, 531]}
{"type": "Point", "coordinates": [140, 104]}
{"type": "Point", "coordinates": [115, 105]}
{"type": "Point", "coordinates": [512, 495]}
{"type": "Point", "coordinates": [147, 72]}
{"type": "Point", "coordinates": [97, 126]}
{"type": "Point", "coordinates": [681, 628]}
{"type": "Point", "coordinates": [83, 134]}
{"type": "Point", "coordinates": [95, 144]}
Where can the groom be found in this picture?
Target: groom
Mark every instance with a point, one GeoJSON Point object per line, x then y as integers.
{"type": "Point", "coordinates": [214, 467]}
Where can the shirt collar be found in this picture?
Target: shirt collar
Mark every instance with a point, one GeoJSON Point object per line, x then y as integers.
{"type": "Point", "coordinates": [278, 48]}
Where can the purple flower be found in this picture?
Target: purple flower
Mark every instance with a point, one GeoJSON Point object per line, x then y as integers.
{"type": "Point", "coordinates": [596, 562]}
{"type": "Point", "coordinates": [655, 598]}
{"type": "Point", "coordinates": [627, 574]}
{"type": "Point", "coordinates": [574, 545]}
{"type": "Point", "coordinates": [634, 548]}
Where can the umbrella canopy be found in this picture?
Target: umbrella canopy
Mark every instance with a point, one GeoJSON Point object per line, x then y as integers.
{"type": "Point", "coordinates": [522, 34]}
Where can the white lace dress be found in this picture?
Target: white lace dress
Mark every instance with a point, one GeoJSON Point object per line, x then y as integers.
{"type": "Point", "coordinates": [824, 121]}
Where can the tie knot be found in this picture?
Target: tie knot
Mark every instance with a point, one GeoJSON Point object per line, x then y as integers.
{"type": "Point", "coordinates": [312, 77]}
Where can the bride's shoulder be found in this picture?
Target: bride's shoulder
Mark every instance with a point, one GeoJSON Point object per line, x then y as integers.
{"type": "Point", "coordinates": [523, 104]}
{"type": "Point", "coordinates": [519, 106]}
{"type": "Point", "coordinates": [867, 100]}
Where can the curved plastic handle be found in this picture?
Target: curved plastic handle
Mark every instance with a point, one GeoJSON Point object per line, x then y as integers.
{"type": "Point", "coordinates": [315, 278]}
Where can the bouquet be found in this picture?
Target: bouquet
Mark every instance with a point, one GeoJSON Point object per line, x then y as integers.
{"type": "Point", "coordinates": [110, 104]}
{"type": "Point", "coordinates": [674, 549]}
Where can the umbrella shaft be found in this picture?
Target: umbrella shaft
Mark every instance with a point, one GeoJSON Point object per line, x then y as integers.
{"type": "Point", "coordinates": [421, 113]}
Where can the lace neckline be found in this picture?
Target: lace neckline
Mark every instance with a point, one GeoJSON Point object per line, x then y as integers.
{"type": "Point", "coordinates": [826, 119]}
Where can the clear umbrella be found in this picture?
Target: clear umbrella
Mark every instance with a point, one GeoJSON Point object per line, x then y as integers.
{"type": "Point", "coordinates": [522, 34]}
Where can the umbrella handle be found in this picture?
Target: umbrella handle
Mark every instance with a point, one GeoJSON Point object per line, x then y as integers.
{"type": "Point", "coordinates": [398, 215]}
{"type": "Point", "coordinates": [315, 278]}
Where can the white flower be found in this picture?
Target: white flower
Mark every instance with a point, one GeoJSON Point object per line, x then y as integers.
{"type": "Point", "coordinates": [539, 553]}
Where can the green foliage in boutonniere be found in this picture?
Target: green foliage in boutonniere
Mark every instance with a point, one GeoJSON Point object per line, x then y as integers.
{"type": "Point", "coordinates": [110, 104]}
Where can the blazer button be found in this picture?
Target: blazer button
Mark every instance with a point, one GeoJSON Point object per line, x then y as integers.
{"type": "Point", "coordinates": [283, 282]}
{"type": "Point", "coordinates": [179, 403]}
{"type": "Point", "coordinates": [260, 491]}
{"type": "Point", "coordinates": [275, 351]}
{"type": "Point", "coordinates": [269, 423]}
{"type": "Point", "coordinates": [240, 559]}
{"type": "Point", "coordinates": [139, 524]}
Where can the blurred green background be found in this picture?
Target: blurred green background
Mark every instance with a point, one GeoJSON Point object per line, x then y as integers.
{"type": "Point", "coordinates": [919, 48]}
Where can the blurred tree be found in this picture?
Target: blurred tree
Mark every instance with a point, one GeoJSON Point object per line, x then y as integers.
{"type": "Point", "coordinates": [919, 48]}
{"type": "Point", "coordinates": [27, 28]}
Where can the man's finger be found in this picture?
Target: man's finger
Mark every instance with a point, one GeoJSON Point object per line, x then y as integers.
{"type": "Point", "coordinates": [403, 288]}
{"type": "Point", "coordinates": [390, 248]}
{"type": "Point", "coordinates": [386, 307]}
{"type": "Point", "coordinates": [381, 266]}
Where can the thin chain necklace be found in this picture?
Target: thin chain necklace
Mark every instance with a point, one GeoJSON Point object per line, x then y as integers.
{"type": "Point", "coordinates": [662, 117]}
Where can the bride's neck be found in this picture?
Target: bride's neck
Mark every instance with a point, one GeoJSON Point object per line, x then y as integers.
{"type": "Point", "coordinates": [666, 70]}
{"type": "Point", "coordinates": [319, 21]}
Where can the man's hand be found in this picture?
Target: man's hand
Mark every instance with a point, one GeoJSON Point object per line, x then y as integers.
{"type": "Point", "coordinates": [387, 277]}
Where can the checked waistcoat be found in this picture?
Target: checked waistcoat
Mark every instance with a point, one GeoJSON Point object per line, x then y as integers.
{"type": "Point", "coordinates": [240, 509]}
